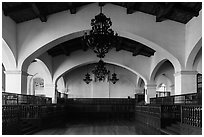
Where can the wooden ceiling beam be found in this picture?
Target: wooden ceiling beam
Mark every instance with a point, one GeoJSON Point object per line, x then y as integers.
{"type": "Point", "coordinates": [164, 11]}
{"type": "Point", "coordinates": [37, 11]}
{"type": "Point", "coordinates": [72, 8]}
{"type": "Point", "coordinates": [132, 7]}
{"type": "Point", "coordinates": [15, 9]}
{"type": "Point", "coordinates": [65, 51]}
{"type": "Point", "coordinates": [136, 52]}
{"type": "Point", "coordinates": [187, 10]}
{"type": "Point", "coordinates": [101, 4]}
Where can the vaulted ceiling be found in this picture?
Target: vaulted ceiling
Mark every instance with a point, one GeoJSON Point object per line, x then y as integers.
{"type": "Point", "coordinates": [181, 12]}
{"type": "Point", "coordinates": [177, 11]}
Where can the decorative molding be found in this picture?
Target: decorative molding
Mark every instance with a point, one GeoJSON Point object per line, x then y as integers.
{"type": "Point", "coordinates": [185, 73]}
{"type": "Point", "coordinates": [150, 86]}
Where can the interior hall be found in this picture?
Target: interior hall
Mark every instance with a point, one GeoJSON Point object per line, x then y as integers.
{"type": "Point", "coordinates": [101, 68]}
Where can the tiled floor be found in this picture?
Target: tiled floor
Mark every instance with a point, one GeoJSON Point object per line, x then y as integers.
{"type": "Point", "coordinates": [101, 128]}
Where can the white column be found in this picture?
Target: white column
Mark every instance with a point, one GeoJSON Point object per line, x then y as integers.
{"type": "Point", "coordinates": [16, 82]}
{"type": "Point", "coordinates": [50, 92]}
{"type": "Point", "coordinates": [172, 89]}
{"type": "Point", "coordinates": [150, 92]}
{"type": "Point", "coordinates": [185, 82]}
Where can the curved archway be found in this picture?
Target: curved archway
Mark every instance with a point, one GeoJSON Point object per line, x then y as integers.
{"type": "Point", "coordinates": [47, 71]}
{"type": "Point", "coordinates": [90, 62]}
{"type": "Point", "coordinates": [78, 88]}
{"type": "Point", "coordinates": [192, 55]}
{"type": "Point", "coordinates": [8, 58]}
{"type": "Point", "coordinates": [156, 68]}
{"type": "Point", "coordinates": [67, 37]}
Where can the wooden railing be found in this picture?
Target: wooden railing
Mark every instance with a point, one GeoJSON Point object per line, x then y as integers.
{"type": "Point", "coordinates": [193, 98]}
{"type": "Point", "coordinates": [170, 114]}
{"type": "Point", "coordinates": [43, 115]}
{"type": "Point", "coordinates": [150, 115]}
{"type": "Point", "coordinates": [191, 115]}
{"type": "Point", "coordinates": [10, 119]}
{"type": "Point", "coordinates": [14, 99]}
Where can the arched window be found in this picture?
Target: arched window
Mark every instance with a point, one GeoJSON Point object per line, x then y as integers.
{"type": "Point", "coordinates": [161, 90]}
{"type": "Point", "coordinates": [38, 86]}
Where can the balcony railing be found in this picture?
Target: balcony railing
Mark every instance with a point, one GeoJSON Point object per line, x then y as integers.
{"type": "Point", "coordinates": [191, 115]}
{"type": "Point", "coordinates": [15, 99]}
{"type": "Point", "coordinates": [193, 98]}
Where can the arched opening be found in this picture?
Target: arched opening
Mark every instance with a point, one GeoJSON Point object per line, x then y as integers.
{"type": "Point", "coordinates": [77, 88]}
{"type": "Point", "coordinates": [38, 86]}
{"type": "Point", "coordinates": [38, 77]}
{"type": "Point", "coordinates": [164, 75]}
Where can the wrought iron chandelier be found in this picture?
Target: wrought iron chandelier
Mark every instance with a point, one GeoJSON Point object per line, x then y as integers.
{"type": "Point", "coordinates": [114, 78]}
{"type": "Point", "coordinates": [87, 78]}
{"type": "Point", "coordinates": [101, 73]}
{"type": "Point", "coordinates": [101, 38]}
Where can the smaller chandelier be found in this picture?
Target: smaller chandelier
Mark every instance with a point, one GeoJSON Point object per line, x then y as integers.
{"type": "Point", "coordinates": [100, 71]}
{"type": "Point", "coordinates": [114, 78]}
{"type": "Point", "coordinates": [87, 78]}
{"type": "Point", "coordinates": [101, 38]}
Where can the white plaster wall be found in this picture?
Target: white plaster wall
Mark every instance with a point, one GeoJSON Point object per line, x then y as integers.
{"type": "Point", "coordinates": [199, 67]}
{"type": "Point", "coordinates": [40, 71]}
{"type": "Point", "coordinates": [79, 89]}
{"type": "Point", "coordinates": [167, 69]}
{"type": "Point", "coordinates": [197, 64]}
{"type": "Point", "coordinates": [163, 79]}
{"type": "Point", "coordinates": [9, 33]}
{"type": "Point", "coordinates": [8, 58]}
{"type": "Point", "coordinates": [47, 60]}
{"type": "Point", "coordinates": [61, 85]}
{"type": "Point", "coordinates": [34, 34]}
{"type": "Point", "coordinates": [193, 34]}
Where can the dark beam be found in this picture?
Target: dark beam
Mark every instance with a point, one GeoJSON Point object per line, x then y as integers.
{"type": "Point", "coordinates": [130, 8]}
{"type": "Point", "coordinates": [187, 10]}
{"type": "Point", "coordinates": [38, 12]}
{"type": "Point", "coordinates": [15, 9]}
{"type": "Point", "coordinates": [72, 8]}
{"type": "Point", "coordinates": [136, 52]}
{"type": "Point", "coordinates": [118, 46]}
{"type": "Point", "coordinates": [101, 4]}
{"type": "Point", "coordinates": [66, 52]}
{"type": "Point", "coordinates": [164, 11]}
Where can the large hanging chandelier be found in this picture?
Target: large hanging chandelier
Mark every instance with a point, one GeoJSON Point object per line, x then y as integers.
{"type": "Point", "coordinates": [101, 38]}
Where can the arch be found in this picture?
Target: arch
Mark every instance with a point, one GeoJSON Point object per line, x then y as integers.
{"type": "Point", "coordinates": [156, 68]}
{"type": "Point", "coordinates": [167, 78]}
{"type": "Point", "coordinates": [48, 73]}
{"type": "Point", "coordinates": [90, 62]}
{"type": "Point", "coordinates": [8, 58]}
{"type": "Point", "coordinates": [67, 37]}
{"type": "Point", "coordinates": [192, 55]}
{"type": "Point", "coordinates": [48, 77]}
{"type": "Point", "coordinates": [198, 61]}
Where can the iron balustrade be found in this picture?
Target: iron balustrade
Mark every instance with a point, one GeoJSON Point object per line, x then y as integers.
{"type": "Point", "coordinates": [15, 99]}
{"type": "Point", "coordinates": [191, 115]}
{"type": "Point", "coordinates": [193, 98]}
